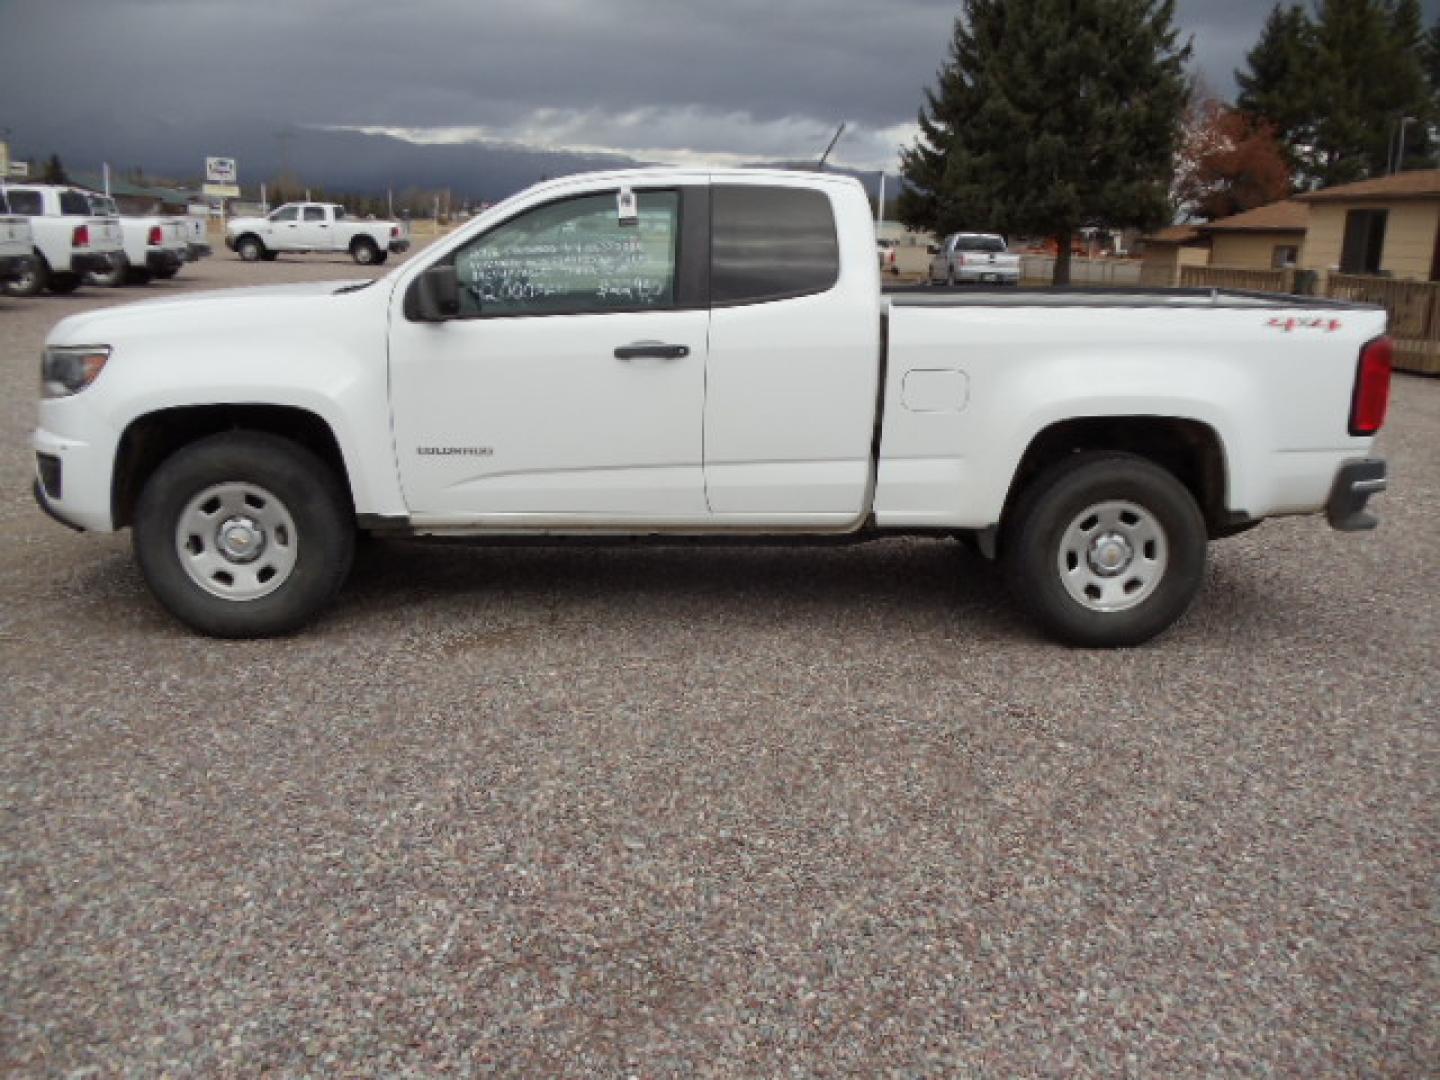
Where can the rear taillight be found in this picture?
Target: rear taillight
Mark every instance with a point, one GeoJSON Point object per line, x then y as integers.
{"type": "Point", "coordinates": [156, 237]}
{"type": "Point", "coordinates": [1372, 387]}
{"type": "Point", "coordinates": [81, 238]}
{"type": "Point", "coordinates": [394, 232]}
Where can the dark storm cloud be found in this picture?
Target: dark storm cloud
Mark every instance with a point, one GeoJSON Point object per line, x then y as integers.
{"type": "Point", "coordinates": [724, 78]}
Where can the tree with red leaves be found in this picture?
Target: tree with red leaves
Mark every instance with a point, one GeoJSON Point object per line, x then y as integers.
{"type": "Point", "coordinates": [1229, 162]}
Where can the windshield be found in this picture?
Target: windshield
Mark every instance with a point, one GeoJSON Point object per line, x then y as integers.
{"type": "Point", "coordinates": [980, 243]}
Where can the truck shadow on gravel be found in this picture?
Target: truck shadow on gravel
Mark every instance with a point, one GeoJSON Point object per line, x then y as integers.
{"type": "Point", "coordinates": [917, 580]}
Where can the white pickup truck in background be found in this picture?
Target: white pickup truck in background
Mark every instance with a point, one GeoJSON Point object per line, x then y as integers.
{"type": "Point", "coordinates": [692, 354]}
{"type": "Point", "coordinates": [304, 228]}
{"type": "Point", "coordinates": [154, 246]}
{"type": "Point", "coordinates": [70, 240]}
{"type": "Point", "coordinates": [974, 259]}
{"type": "Point", "coordinates": [17, 243]}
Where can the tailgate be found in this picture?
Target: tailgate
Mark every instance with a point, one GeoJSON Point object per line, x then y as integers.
{"type": "Point", "coordinates": [174, 233]}
{"type": "Point", "coordinates": [14, 230]}
{"type": "Point", "coordinates": [105, 234]}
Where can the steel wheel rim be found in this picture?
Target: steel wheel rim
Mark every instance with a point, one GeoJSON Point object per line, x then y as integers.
{"type": "Point", "coordinates": [364, 254]}
{"type": "Point", "coordinates": [1113, 556]}
{"type": "Point", "coordinates": [237, 541]}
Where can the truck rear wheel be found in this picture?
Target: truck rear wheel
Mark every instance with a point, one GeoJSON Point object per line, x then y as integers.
{"type": "Point", "coordinates": [244, 534]}
{"type": "Point", "coordinates": [32, 282]}
{"type": "Point", "coordinates": [114, 277]}
{"type": "Point", "coordinates": [364, 251]}
{"type": "Point", "coordinates": [1106, 550]}
{"type": "Point", "coordinates": [250, 248]}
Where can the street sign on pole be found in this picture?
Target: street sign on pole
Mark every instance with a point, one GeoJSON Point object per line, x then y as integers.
{"type": "Point", "coordinates": [221, 170]}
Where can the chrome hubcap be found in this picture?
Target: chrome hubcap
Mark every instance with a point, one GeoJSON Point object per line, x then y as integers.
{"type": "Point", "coordinates": [237, 541]}
{"type": "Point", "coordinates": [1113, 556]}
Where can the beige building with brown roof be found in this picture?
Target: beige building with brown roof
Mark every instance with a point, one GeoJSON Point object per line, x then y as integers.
{"type": "Point", "coordinates": [1388, 226]}
{"type": "Point", "coordinates": [1268, 237]}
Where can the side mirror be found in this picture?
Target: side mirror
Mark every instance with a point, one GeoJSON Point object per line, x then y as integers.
{"type": "Point", "coordinates": [435, 296]}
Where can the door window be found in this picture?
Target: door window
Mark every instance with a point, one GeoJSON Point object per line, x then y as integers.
{"type": "Point", "coordinates": [574, 256]}
{"type": "Point", "coordinates": [770, 243]}
{"type": "Point", "coordinates": [286, 213]}
{"type": "Point", "coordinates": [314, 213]}
{"type": "Point", "coordinates": [73, 204]}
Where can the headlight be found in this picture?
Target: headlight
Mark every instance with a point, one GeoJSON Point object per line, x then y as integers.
{"type": "Point", "coordinates": [68, 369]}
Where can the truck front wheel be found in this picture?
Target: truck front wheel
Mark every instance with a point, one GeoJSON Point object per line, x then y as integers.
{"type": "Point", "coordinates": [244, 534]}
{"type": "Point", "coordinates": [250, 248]}
{"type": "Point", "coordinates": [1106, 550]}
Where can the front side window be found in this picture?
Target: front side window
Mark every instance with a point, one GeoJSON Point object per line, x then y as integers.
{"type": "Point", "coordinates": [770, 243]}
{"type": "Point", "coordinates": [574, 256]}
{"type": "Point", "coordinates": [286, 213]}
{"type": "Point", "coordinates": [26, 202]}
{"type": "Point", "coordinates": [339, 213]}
{"type": "Point", "coordinates": [314, 213]}
{"type": "Point", "coordinates": [74, 204]}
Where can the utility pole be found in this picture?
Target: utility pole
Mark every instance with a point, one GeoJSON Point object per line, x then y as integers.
{"type": "Point", "coordinates": [1405, 121]}
{"type": "Point", "coordinates": [880, 205]}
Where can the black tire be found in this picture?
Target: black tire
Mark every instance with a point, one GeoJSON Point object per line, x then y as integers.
{"type": "Point", "coordinates": [381, 256]}
{"type": "Point", "coordinates": [364, 251]}
{"type": "Point", "coordinates": [310, 497]}
{"type": "Point", "coordinates": [270, 256]}
{"type": "Point", "coordinates": [63, 284]}
{"type": "Point", "coordinates": [139, 275]}
{"type": "Point", "coordinates": [167, 273]}
{"type": "Point", "coordinates": [33, 281]}
{"type": "Point", "coordinates": [250, 248]}
{"type": "Point", "coordinates": [116, 276]}
{"type": "Point", "coordinates": [1158, 578]}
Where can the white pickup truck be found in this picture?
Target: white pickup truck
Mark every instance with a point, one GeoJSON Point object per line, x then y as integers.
{"type": "Point", "coordinates": [17, 244]}
{"type": "Point", "coordinates": [70, 241]}
{"type": "Point", "coordinates": [154, 246]}
{"type": "Point", "coordinates": [671, 353]}
{"type": "Point", "coordinates": [974, 258]}
{"type": "Point", "coordinates": [304, 228]}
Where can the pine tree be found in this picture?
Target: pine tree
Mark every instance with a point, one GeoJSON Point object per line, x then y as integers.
{"type": "Point", "coordinates": [1050, 115]}
{"type": "Point", "coordinates": [1337, 86]}
{"type": "Point", "coordinates": [1430, 58]}
{"type": "Point", "coordinates": [1279, 85]}
{"type": "Point", "coordinates": [55, 171]}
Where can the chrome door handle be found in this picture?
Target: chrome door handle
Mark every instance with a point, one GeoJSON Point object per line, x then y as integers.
{"type": "Point", "coordinates": [657, 350]}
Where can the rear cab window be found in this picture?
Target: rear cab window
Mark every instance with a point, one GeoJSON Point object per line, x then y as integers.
{"type": "Point", "coordinates": [771, 243]}
{"type": "Point", "coordinates": [27, 202]}
{"type": "Point", "coordinates": [992, 244]}
{"type": "Point", "coordinates": [74, 204]}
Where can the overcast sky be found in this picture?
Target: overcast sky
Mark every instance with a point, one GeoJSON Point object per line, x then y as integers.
{"type": "Point", "coordinates": [718, 81]}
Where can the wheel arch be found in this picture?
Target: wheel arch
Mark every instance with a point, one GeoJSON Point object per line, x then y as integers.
{"type": "Point", "coordinates": [1191, 450]}
{"type": "Point", "coordinates": [149, 440]}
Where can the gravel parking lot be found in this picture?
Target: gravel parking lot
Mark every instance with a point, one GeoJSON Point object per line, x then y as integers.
{"type": "Point", "coordinates": [717, 812]}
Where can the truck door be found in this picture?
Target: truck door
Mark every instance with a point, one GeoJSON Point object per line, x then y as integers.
{"type": "Point", "coordinates": [315, 228]}
{"type": "Point", "coordinates": [794, 353]}
{"type": "Point", "coordinates": [570, 390]}
{"type": "Point", "coordinates": [283, 229]}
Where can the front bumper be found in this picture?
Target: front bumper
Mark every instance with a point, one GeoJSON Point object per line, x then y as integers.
{"type": "Point", "coordinates": [1354, 484]}
{"type": "Point", "coordinates": [72, 478]}
{"type": "Point", "coordinates": [14, 266]}
{"type": "Point", "coordinates": [164, 259]}
{"type": "Point", "coordinates": [93, 262]}
{"type": "Point", "coordinates": [399, 246]}
{"type": "Point", "coordinates": [196, 252]}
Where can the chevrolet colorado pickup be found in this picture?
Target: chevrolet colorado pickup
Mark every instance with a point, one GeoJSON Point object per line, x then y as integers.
{"type": "Point", "coordinates": [673, 353]}
{"type": "Point", "coordinates": [300, 228]}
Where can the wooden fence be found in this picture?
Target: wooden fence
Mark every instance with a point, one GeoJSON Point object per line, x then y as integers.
{"type": "Point", "coordinates": [1235, 277]}
{"type": "Point", "coordinates": [1414, 311]}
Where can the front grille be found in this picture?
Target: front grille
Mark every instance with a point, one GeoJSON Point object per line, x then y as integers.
{"type": "Point", "coordinates": [49, 469]}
